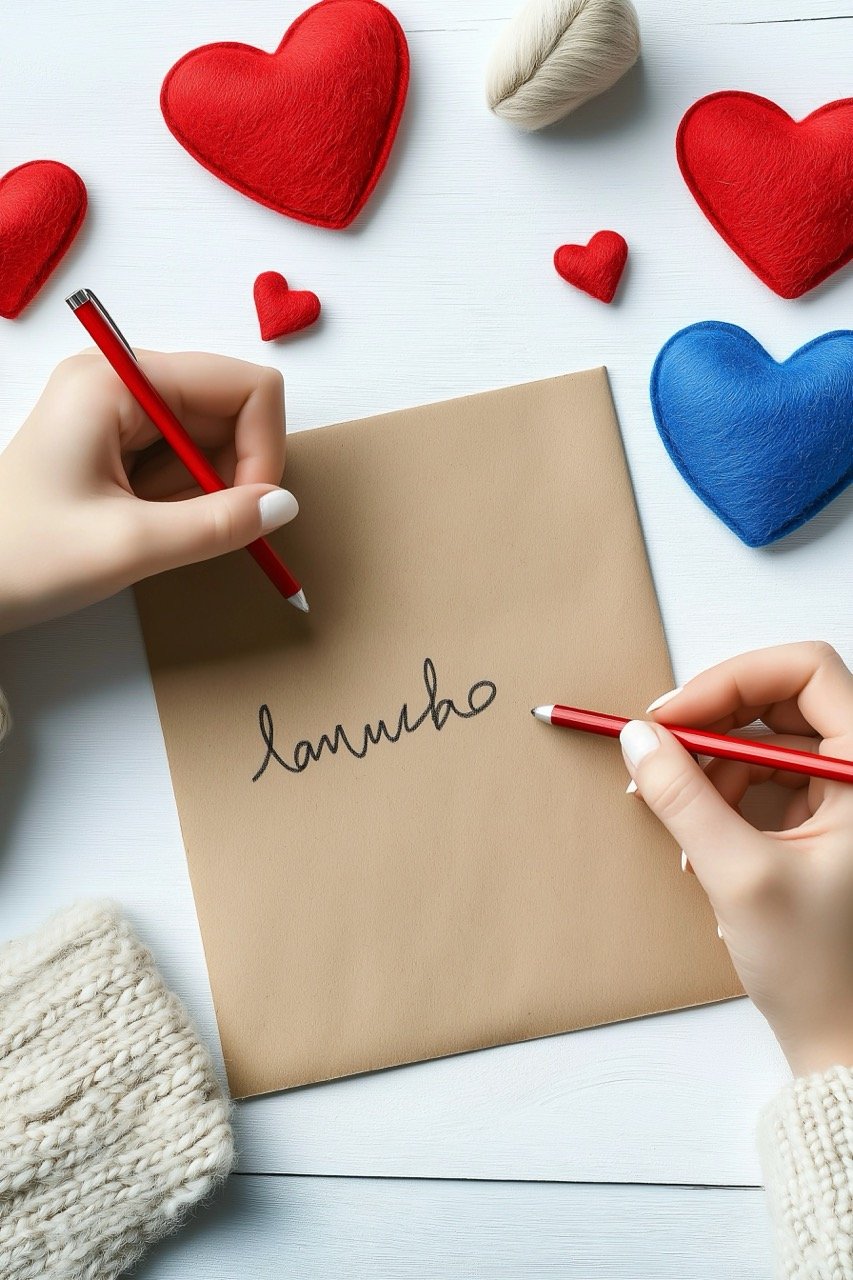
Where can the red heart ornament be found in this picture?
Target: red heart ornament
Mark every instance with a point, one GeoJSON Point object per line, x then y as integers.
{"type": "Point", "coordinates": [595, 267]}
{"type": "Point", "coordinates": [306, 130]}
{"type": "Point", "coordinates": [283, 310]}
{"type": "Point", "coordinates": [779, 191]}
{"type": "Point", "coordinates": [42, 207]}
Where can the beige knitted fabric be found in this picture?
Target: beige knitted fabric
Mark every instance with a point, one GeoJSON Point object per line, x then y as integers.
{"type": "Point", "coordinates": [112, 1123]}
{"type": "Point", "coordinates": [806, 1146]}
{"type": "Point", "coordinates": [5, 716]}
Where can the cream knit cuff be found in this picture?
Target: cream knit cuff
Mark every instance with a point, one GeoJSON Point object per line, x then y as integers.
{"type": "Point", "coordinates": [806, 1147]}
{"type": "Point", "coordinates": [5, 716]}
{"type": "Point", "coordinates": [112, 1123]}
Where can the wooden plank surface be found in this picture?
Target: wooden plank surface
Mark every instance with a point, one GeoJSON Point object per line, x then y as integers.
{"type": "Point", "coordinates": [351, 1229]}
{"type": "Point", "coordinates": [444, 287]}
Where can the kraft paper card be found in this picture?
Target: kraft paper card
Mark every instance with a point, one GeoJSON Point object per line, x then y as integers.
{"type": "Point", "coordinates": [391, 859]}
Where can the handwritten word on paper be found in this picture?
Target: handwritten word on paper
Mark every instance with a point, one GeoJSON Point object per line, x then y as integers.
{"type": "Point", "coordinates": [437, 712]}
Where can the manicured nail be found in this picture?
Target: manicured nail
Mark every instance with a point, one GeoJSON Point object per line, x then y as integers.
{"type": "Point", "coordinates": [664, 698]}
{"type": "Point", "coordinates": [638, 741]}
{"type": "Point", "coordinates": [683, 860]}
{"type": "Point", "coordinates": [719, 932]}
{"type": "Point", "coordinates": [631, 788]}
{"type": "Point", "coordinates": [277, 507]}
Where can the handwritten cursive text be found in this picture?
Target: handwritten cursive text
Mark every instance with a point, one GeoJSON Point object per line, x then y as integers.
{"type": "Point", "coordinates": [437, 712]}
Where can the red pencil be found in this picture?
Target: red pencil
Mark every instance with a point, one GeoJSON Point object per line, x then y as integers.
{"type": "Point", "coordinates": [702, 742]}
{"type": "Point", "coordinates": [109, 339]}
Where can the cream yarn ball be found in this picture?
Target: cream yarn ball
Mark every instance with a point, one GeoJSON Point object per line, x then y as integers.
{"type": "Point", "coordinates": [556, 54]}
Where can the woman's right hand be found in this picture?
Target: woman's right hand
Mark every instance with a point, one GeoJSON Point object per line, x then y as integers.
{"type": "Point", "coordinates": [783, 899]}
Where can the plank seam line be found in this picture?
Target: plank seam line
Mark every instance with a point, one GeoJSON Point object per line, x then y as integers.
{"type": "Point", "coordinates": [776, 22]}
{"type": "Point", "coordinates": [547, 1182]}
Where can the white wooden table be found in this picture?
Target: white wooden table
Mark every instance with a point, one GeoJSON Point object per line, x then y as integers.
{"type": "Point", "coordinates": [621, 1152]}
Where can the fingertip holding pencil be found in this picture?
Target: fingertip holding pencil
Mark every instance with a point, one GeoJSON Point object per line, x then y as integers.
{"type": "Point", "coordinates": [119, 354]}
{"type": "Point", "coordinates": [704, 742]}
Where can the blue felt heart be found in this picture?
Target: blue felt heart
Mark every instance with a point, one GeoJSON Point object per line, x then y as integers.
{"type": "Point", "coordinates": [765, 445]}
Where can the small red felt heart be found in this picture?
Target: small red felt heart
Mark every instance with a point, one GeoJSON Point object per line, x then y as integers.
{"type": "Point", "coordinates": [306, 130]}
{"type": "Point", "coordinates": [283, 310]}
{"type": "Point", "coordinates": [595, 267]}
{"type": "Point", "coordinates": [779, 191]}
{"type": "Point", "coordinates": [42, 207]}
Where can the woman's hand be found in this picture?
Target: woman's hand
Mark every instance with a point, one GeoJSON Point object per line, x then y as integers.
{"type": "Point", "coordinates": [784, 899]}
{"type": "Point", "coordinates": [92, 498]}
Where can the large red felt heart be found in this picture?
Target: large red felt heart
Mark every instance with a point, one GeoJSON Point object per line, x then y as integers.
{"type": "Point", "coordinates": [306, 130]}
{"type": "Point", "coordinates": [595, 267]}
{"type": "Point", "coordinates": [42, 207]}
{"type": "Point", "coordinates": [282, 310]}
{"type": "Point", "coordinates": [779, 191]}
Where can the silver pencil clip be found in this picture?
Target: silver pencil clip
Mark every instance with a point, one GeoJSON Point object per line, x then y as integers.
{"type": "Point", "coordinates": [77, 299]}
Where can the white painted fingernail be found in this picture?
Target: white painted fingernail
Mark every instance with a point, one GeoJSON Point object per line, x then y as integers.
{"type": "Point", "coordinates": [631, 788]}
{"type": "Point", "coordinates": [719, 932]}
{"type": "Point", "coordinates": [638, 741]}
{"type": "Point", "coordinates": [683, 860]}
{"type": "Point", "coordinates": [277, 508]}
{"type": "Point", "coordinates": [664, 698]}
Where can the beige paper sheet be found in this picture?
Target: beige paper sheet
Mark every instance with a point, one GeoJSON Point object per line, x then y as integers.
{"type": "Point", "coordinates": [484, 878]}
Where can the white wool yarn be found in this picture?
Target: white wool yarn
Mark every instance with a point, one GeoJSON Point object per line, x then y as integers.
{"type": "Point", "coordinates": [556, 54]}
{"type": "Point", "coordinates": [805, 1139]}
{"type": "Point", "coordinates": [112, 1123]}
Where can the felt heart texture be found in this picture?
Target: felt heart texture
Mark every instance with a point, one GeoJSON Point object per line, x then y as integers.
{"type": "Point", "coordinates": [306, 130]}
{"type": "Point", "coordinates": [765, 444]}
{"type": "Point", "coordinates": [42, 207]}
{"type": "Point", "coordinates": [595, 267]}
{"type": "Point", "coordinates": [282, 310]}
{"type": "Point", "coordinates": [779, 191]}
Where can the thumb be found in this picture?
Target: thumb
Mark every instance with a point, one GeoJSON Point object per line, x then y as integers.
{"type": "Point", "coordinates": [717, 840]}
{"type": "Point", "coordinates": [183, 532]}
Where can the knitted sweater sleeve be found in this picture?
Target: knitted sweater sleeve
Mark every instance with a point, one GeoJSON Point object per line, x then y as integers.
{"type": "Point", "coordinates": [806, 1147]}
{"type": "Point", "coordinates": [112, 1121]}
{"type": "Point", "coordinates": [5, 717]}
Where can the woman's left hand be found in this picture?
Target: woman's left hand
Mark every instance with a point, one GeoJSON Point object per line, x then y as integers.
{"type": "Point", "coordinates": [93, 499]}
